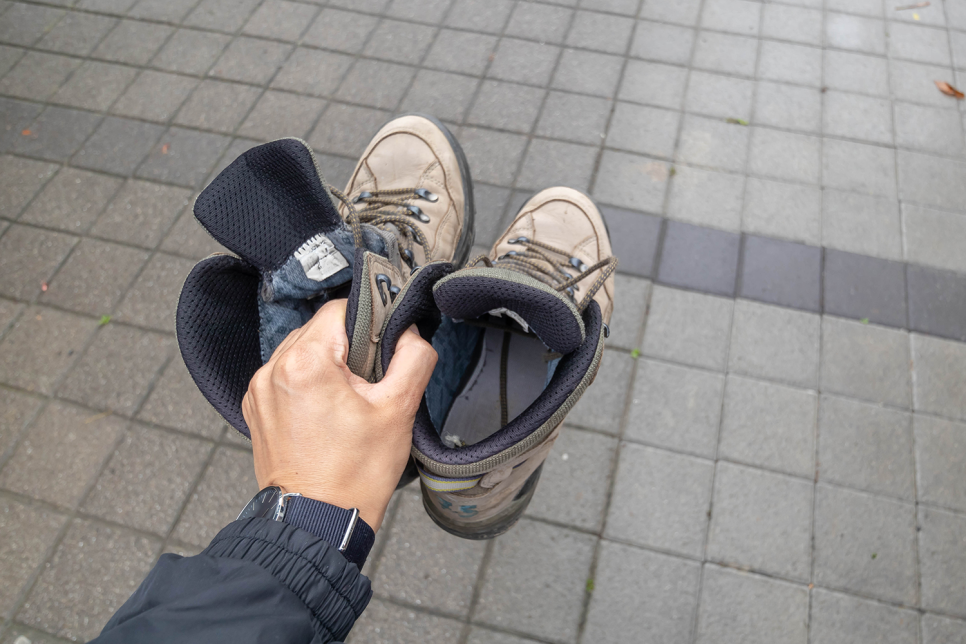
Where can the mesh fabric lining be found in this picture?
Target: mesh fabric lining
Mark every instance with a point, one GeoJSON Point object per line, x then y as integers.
{"type": "Point", "coordinates": [267, 203]}
{"type": "Point", "coordinates": [467, 297]}
{"type": "Point", "coordinates": [352, 305]}
{"type": "Point", "coordinates": [217, 326]}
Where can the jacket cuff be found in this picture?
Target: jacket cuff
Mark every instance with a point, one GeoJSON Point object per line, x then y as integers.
{"type": "Point", "coordinates": [333, 590]}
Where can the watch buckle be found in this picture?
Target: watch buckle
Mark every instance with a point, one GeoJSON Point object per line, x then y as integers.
{"type": "Point", "coordinates": [282, 505]}
{"type": "Point", "coordinates": [349, 530]}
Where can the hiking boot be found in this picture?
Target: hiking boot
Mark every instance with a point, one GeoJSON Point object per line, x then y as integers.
{"type": "Point", "coordinates": [413, 180]}
{"type": "Point", "coordinates": [272, 208]}
{"type": "Point", "coordinates": [520, 335]}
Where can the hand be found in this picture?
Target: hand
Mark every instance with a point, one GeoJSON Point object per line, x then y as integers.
{"type": "Point", "coordinates": [320, 430]}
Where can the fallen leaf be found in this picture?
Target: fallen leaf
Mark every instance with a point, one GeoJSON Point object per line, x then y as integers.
{"type": "Point", "coordinates": [590, 585]}
{"type": "Point", "coordinates": [43, 286]}
{"type": "Point", "coordinates": [26, 132]}
{"type": "Point", "coordinates": [864, 320]}
{"type": "Point", "coordinates": [105, 319]}
{"type": "Point", "coordinates": [915, 16]}
{"type": "Point", "coordinates": [874, 555]}
{"type": "Point", "coordinates": [736, 121]}
{"type": "Point", "coordinates": [91, 419]}
{"type": "Point", "coordinates": [949, 90]}
{"type": "Point", "coordinates": [636, 353]}
{"type": "Point", "coordinates": [918, 5]}
{"type": "Point", "coordinates": [672, 172]}
{"type": "Point", "coordinates": [165, 148]}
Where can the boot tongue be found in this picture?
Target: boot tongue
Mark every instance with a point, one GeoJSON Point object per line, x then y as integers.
{"type": "Point", "coordinates": [473, 292]}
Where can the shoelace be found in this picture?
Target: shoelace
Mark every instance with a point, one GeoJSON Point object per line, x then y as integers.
{"type": "Point", "coordinates": [541, 262]}
{"type": "Point", "coordinates": [393, 207]}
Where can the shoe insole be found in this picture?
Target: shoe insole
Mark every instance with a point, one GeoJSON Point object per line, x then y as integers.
{"type": "Point", "coordinates": [476, 411]}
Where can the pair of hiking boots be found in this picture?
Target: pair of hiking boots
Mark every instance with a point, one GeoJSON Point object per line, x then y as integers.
{"type": "Point", "coordinates": [519, 332]}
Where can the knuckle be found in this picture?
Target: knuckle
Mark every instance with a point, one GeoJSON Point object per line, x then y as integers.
{"type": "Point", "coordinates": [295, 367]}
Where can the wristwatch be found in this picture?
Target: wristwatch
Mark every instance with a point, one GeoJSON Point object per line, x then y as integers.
{"type": "Point", "coordinates": [341, 528]}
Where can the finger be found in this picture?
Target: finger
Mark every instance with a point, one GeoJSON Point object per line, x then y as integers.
{"type": "Point", "coordinates": [410, 368]}
{"type": "Point", "coordinates": [289, 340]}
{"type": "Point", "coordinates": [327, 328]}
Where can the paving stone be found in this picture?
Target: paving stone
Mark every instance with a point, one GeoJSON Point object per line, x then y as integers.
{"type": "Point", "coordinates": [24, 24]}
{"type": "Point", "coordinates": [133, 42]}
{"type": "Point", "coordinates": [930, 129]}
{"type": "Point", "coordinates": [536, 581]}
{"type": "Point", "coordinates": [770, 426]}
{"type": "Point", "coordinates": [156, 96]}
{"type": "Point", "coordinates": [598, 74]}
{"type": "Point", "coordinates": [26, 533]}
{"type": "Point", "coordinates": [522, 61]}
{"type": "Point", "coordinates": [117, 7]}
{"type": "Point", "coordinates": [428, 11]}
{"type": "Point", "coordinates": [941, 462]}
{"type": "Point", "coordinates": [61, 454]}
{"type": "Point", "coordinates": [781, 272]}
{"type": "Point", "coordinates": [699, 258]}
{"type": "Point", "coordinates": [866, 169]}
{"type": "Point", "coordinates": [600, 32]}
{"type": "Point", "coordinates": [682, 12]}
{"type": "Point", "coordinates": [72, 200]}
{"type": "Point", "coordinates": [460, 51]}
{"type": "Point", "coordinates": [141, 213]}
{"type": "Point", "coordinates": [769, 610]}
{"type": "Point", "coordinates": [662, 42]}
{"type": "Point", "coordinates": [41, 346]}
{"type": "Point", "coordinates": [190, 52]}
{"type": "Point", "coordinates": [346, 129]}
{"type": "Point", "coordinates": [543, 23]}
{"type": "Point", "coordinates": [555, 163]}
{"type": "Point", "coordinates": [94, 85]}
{"type": "Point", "coordinates": [425, 566]}
{"type": "Point", "coordinates": [790, 63]}
{"type": "Point", "coordinates": [188, 239]}
{"type": "Point", "coordinates": [939, 390]}
{"type": "Point", "coordinates": [375, 83]}
{"type": "Point", "coordinates": [788, 107]}
{"type": "Point", "coordinates": [866, 447]}
{"type": "Point", "coordinates": [228, 484]}
{"type": "Point", "coordinates": [506, 106]}
{"type": "Point", "coordinates": [838, 619]}
{"type": "Point", "coordinates": [654, 84]}
{"type": "Point", "coordinates": [494, 156]}
{"type": "Point", "coordinates": [561, 110]}
{"type": "Point", "coordinates": [17, 632]}
{"type": "Point", "coordinates": [575, 480]}
{"type": "Point", "coordinates": [147, 480]}
{"type": "Point", "coordinates": [37, 75]}
{"type": "Point", "coordinates": [797, 24]}
{"type": "Point", "coordinates": [602, 406]}
{"type": "Point", "coordinates": [689, 328]}
{"type": "Point", "coordinates": [865, 544]}
{"type": "Point", "coordinates": [636, 591]}
{"type": "Point", "coordinates": [915, 42]}
{"type": "Point", "coordinates": [861, 287]}
{"type": "Point", "coordinates": [931, 181]}
{"type": "Point", "coordinates": [280, 20]}
{"type": "Point", "coordinates": [340, 30]}
{"type": "Point", "coordinates": [934, 238]}
{"type": "Point", "coordinates": [183, 157]}
{"type": "Point", "coordinates": [93, 572]}
{"type": "Point", "coordinates": [646, 130]}
{"type": "Point", "coordinates": [625, 7]}
{"type": "Point", "coordinates": [718, 95]}
{"type": "Point", "coordinates": [176, 402]}
{"type": "Point", "coordinates": [935, 302]}
{"type": "Point", "coordinates": [15, 117]}
{"type": "Point", "coordinates": [676, 408]}
{"type": "Point", "coordinates": [491, 204]}
{"type": "Point", "coordinates": [218, 106]}
{"type": "Point", "coordinates": [221, 15]}
{"type": "Point", "coordinates": [385, 623]}
{"type": "Point", "coordinates": [856, 72]}
{"type": "Point", "coordinates": [914, 82]}
{"type": "Point", "coordinates": [856, 33]}
{"type": "Point", "coordinates": [775, 344]}
{"type": "Point", "coordinates": [20, 180]}
{"type": "Point", "coordinates": [479, 15]}
{"type": "Point", "coordinates": [400, 42]}
{"type": "Point", "coordinates": [942, 630]}
{"type": "Point", "coordinates": [17, 408]}
{"type": "Point", "coordinates": [733, 16]}
{"type": "Point", "coordinates": [77, 34]}
{"type": "Point", "coordinates": [30, 257]}
{"type": "Point", "coordinates": [250, 60]}
{"type": "Point", "coordinates": [630, 310]}
{"type": "Point", "coordinates": [713, 143]}
{"type": "Point", "coordinates": [153, 298]}
{"type": "Point", "coordinates": [445, 95]}
{"type": "Point", "coordinates": [660, 500]}
{"type": "Point", "coordinates": [634, 237]}
{"type": "Point", "coordinates": [784, 155]}
{"type": "Point", "coordinates": [280, 114]}
{"type": "Point", "coordinates": [865, 361]}
{"type": "Point", "coordinates": [94, 277]}
{"type": "Point", "coordinates": [119, 145]}
{"type": "Point", "coordinates": [761, 521]}
{"type": "Point", "coordinates": [941, 561]}
{"type": "Point", "coordinates": [56, 134]}
{"type": "Point", "coordinates": [858, 117]}
{"type": "Point", "coordinates": [631, 181]}
{"type": "Point", "coordinates": [871, 8]}
{"type": "Point", "coordinates": [725, 53]}
{"type": "Point", "coordinates": [118, 369]}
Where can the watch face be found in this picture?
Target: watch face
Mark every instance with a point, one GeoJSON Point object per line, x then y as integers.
{"type": "Point", "coordinates": [262, 504]}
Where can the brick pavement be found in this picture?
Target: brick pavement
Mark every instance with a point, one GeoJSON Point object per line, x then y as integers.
{"type": "Point", "coordinates": [775, 450]}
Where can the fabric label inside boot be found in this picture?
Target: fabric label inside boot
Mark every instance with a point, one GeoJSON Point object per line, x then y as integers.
{"type": "Point", "coordinates": [319, 258]}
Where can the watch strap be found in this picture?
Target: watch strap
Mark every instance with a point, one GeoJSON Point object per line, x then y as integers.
{"type": "Point", "coordinates": [333, 525]}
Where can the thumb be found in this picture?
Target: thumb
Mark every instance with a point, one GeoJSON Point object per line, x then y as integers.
{"type": "Point", "coordinates": [409, 370]}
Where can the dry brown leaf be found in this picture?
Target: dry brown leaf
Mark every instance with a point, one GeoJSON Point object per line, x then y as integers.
{"type": "Point", "coordinates": [949, 90]}
{"type": "Point", "coordinates": [26, 133]}
{"type": "Point", "coordinates": [165, 148]}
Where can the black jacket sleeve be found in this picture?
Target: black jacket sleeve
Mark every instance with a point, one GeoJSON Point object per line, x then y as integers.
{"type": "Point", "coordinates": [258, 581]}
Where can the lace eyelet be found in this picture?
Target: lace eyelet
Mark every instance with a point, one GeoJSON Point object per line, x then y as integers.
{"type": "Point", "coordinates": [362, 195]}
{"type": "Point", "coordinates": [422, 193]}
{"type": "Point", "coordinates": [578, 264]}
{"type": "Point", "coordinates": [518, 240]}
